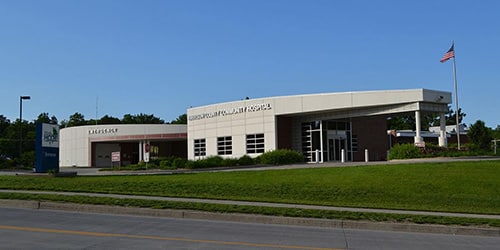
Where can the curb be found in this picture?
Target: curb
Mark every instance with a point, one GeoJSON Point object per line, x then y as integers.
{"type": "Point", "coordinates": [252, 218]}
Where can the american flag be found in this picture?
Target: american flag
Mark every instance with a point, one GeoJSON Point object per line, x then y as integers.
{"type": "Point", "coordinates": [449, 54]}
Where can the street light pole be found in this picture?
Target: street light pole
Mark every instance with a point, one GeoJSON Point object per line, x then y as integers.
{"type": "Point", "coordinates": [21, 98]}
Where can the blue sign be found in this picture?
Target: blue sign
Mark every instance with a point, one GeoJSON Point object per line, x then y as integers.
{"type": "Point", "coordinates": [47, 148]}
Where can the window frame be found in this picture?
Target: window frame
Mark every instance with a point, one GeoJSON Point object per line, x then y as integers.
{"type": "Point", "coordinates": [200, 147]}
{"type": "Point", "coordinates": [255, 143]}
{"type": "Point", "coordinates": [225, 145]}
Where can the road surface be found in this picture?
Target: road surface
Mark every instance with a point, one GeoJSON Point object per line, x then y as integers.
{"type": "Point", "coordinates": [47, 229]}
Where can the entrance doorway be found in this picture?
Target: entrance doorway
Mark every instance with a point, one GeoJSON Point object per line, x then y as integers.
{"type": "Point", "coordinates": [335, 147]}
{"type": "Point", "coordinates": [328, 138]}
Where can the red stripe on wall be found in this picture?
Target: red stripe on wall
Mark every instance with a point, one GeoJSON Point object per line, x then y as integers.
{"type": "Point", "coordinates": [139, 137]}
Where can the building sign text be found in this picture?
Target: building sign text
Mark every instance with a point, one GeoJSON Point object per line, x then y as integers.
{"type": "Point", "coordinates": [98, 131]}
{"type": "Point", "coordinates": [231, 111]}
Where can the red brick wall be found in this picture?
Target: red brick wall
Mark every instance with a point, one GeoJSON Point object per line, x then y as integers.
{"type": "Point", "coordinates": [284, 132]}
{"type": "Point", "coordinates": [371, 132]}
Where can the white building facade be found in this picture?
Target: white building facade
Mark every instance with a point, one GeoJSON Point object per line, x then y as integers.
{"type": "Point", "coordinates": [324, 127]}
{"type": "Point", "coordinates": [349, 126]}
{"type": "Point", "coordinates": [86, 146]}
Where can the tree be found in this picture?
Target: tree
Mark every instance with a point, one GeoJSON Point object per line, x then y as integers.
{"type": "Point", "coordinates": [76, 119]}
{"type": "Point", "coordinates": [44, 118]}
{"type": "Point", "coordinates": [104, 120]}
{"type": "Point", "coordinates": [451, 118]}
{"type": "Point", "coordinates": [401, 122]}
{"type": "Point", "coordinates": [109, 120]}
{"type": "Point", "coordinates": [141, 119]}
{"type": "Point", "coordinates": [496, 132]}
{"type": "Point", "coordinates": [480, 135]}
{"type": "Point", "coordinates": [5, 144]}
{"type": "Point", "coordinates": [4, 124]}
{"type": "Point", "coordinates": [64, 123]}
{"type": "Point", "coordinates": [407, 121]}
{"type": "Point", "coordinates": [182, 119]}
{"type": "Point", "coordinates": [9, 143]}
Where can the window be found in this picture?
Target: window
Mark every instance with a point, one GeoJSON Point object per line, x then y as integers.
{"type": "Point", "coordinates": [224, 145]}
{"type": "Point", "coordinates": [354, 143]}
{"type": "Point", "coordinates": [255, 143]}
{"type": "Point", "coordinates": [200, 147]}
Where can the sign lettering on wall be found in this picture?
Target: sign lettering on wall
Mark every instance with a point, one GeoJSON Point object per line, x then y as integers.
{"type": "Point", "coordinates": [231, 111]}
{"type": "Point", "coordinates": [99, 131]}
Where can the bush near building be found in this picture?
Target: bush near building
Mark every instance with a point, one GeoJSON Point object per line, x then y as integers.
{"type": "Point", "coordinates": [281, 157]}
{"type": "Point", "coordinates": [410, 151]}
{"type": "Point", "coordinates": [275, 157]}
{"type": "Point", "coordinates": [405, 151]}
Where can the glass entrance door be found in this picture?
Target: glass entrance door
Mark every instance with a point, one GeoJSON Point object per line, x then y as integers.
{"type": "Point", "coordinates": [335, 146]}
{"type": "Point", "coordinates": [340, 144]}
{"type": "Point", "coordinates": [328, 138]}
{"type": "Point", "coordinates": [331, 149]}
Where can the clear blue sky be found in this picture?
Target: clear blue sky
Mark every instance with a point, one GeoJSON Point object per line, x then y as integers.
{"type": "Point", "coordinates": [161, 57]}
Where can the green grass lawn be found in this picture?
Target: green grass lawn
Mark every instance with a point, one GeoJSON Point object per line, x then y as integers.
{"type": "Point", "coordinates": [470, 187]}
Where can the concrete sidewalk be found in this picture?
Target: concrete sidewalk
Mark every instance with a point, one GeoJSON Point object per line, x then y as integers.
{"type": "Point", "coordinates": [264, 204]}
{"type": "Point", "coordinates": [256, 218]}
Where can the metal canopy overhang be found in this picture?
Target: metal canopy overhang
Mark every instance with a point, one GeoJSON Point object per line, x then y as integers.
{"type": "Point", "coordinates": [372, 111]}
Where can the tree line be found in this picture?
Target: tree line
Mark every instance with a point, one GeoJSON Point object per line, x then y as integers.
{"type": "Point", "coordinates": [18, 135]}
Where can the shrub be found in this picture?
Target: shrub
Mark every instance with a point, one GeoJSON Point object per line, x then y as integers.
{"type": "Point", "coordinates": [229, 162]}
{"type": "Point", "coordinates": [212, 161]}
{"type": "Point", "coordinates": [166, 163]}
{"type": "Point", "coordinates": [246, 161]}
{"type": "Point", "coordinates": [217, 161]}
{"type": "Point", "coordinates": [281, 157]}
{"type": "Point", "coordinates": [146, 165]}
{"type": "Point", "coordinates": [171, 162]}
{"type": "Point", "coordinates": [190, 164]}
{"type": "Point", "coordinates": [209, 162]}
{"type": "Point", "coordinates": [179, 163]}
{"type": "Point", "coordinates": [257, 160]}
{"type": "Point", "coordinates": [7, 163]}
{"type": "Point", "coordinates": [28, 159]}
{"type": "Point", "coordinates": [405, 151]}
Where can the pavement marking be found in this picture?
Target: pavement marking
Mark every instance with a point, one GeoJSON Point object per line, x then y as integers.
{"type": "Point", "coordinates": [152, 237]}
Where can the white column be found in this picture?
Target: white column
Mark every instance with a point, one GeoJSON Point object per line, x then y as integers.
{"type": "Point", "coordinates": [418, 137]}
{"type": "Point", "coordinates": [140, 151]}
{"type": "Point", "coordinates": [443, 141]}
{"type": "Point", "coordinates": [321, 139]}
{"type": "Point", "coordinates": [146, 155]}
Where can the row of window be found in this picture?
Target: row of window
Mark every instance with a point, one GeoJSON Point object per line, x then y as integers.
{"type": "Point", "coordinates": [254, 144]}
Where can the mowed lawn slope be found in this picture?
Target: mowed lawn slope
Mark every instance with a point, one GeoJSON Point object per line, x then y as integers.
{"type": "Point", "coordinates": [469, 187]}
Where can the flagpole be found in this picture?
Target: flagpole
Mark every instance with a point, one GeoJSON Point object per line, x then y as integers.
{"type": "Point", "coordinates": [456, 102]}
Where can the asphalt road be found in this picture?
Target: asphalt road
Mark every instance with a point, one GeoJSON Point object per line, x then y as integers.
{"type": "Point", "coordinates": [47, 229]}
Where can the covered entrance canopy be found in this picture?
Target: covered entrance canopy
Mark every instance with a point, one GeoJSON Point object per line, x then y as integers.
{"type": "Point", "coordinates": [341, 126]}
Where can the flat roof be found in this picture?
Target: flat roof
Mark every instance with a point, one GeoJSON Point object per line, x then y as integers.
{"type": "Point", "coordinates": [391, 100]}
{"type": "Point", "coordinates": [116, 132]}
